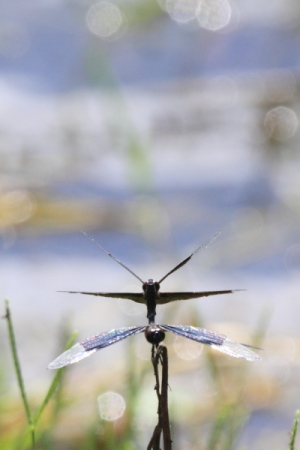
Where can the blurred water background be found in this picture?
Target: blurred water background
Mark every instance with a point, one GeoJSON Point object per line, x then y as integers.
{"type": "Point", "coordinates": [152, 125]}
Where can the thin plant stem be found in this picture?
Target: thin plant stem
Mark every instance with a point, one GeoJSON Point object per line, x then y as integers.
{"type": "Point", "coordinates": [54, 384]}
{"type": "Point", "coordinates": [294, 430]}
{"type": "Point", "coordinates": [218, 428]}
{"type": "Point", "coordinates": [17, 366]}
{"type": "Point", "coordinates": [32, 421]}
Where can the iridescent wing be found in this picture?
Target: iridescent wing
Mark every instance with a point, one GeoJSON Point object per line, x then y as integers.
{"type": "Point", "coordinates": [218, 341]}
{"type": "Point", "coordinates": [86, 348]}
{"type": "Point", "coordinates": [166, 297]}
{"type": "Point", "coordinates": [136, 297]}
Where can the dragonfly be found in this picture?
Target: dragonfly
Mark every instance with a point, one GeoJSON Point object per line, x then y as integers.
{"type": "Point", "coordinates": [154, 333]}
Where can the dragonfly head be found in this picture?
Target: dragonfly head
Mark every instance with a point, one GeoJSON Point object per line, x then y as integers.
{"type": "Point", "coordinates": [154, 334]}
{"type": "Point", "coordinates": [151, 283]}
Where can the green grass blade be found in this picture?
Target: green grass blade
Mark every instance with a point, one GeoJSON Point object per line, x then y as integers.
{"type": "Point", "coordinates": [17, 366]}
{"type": "Point", "coordinates": [220, 424]}
{"type": "Point", "coordinates": [294, 430]}
{"type": "Point", "coordinates": [54, 384]}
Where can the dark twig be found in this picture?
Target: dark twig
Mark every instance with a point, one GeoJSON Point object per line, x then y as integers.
{"type": "Point", "coordinates": [164, 399]}
{"type": "Point", "coordinates": [160, 355]}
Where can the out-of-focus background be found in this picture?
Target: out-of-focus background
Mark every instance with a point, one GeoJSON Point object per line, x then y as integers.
{"type": "Point", "coordinates": [151, 125]}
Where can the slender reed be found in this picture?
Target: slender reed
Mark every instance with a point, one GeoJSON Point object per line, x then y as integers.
{"type": "Point", "coordinates": [17, 366]}
{"type": "Point", "coordinates": [294, 430]}
{"type": "Point", "coordinates": [32, 419]}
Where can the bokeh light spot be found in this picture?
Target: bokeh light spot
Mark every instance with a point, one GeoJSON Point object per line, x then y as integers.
{"type": "Point", "coordinates": [186, 349]}
{"type": "Point", "coordinates": [281, 123]}
{"type": "Point", "coordinates": [214, 14]}
{"type": "Point", "coordinates": [15, 207]}
{"type": "Point", "coordinates": [182, 10]}
{"type": "Point", "coordinates": [111, 406]}
{"type": "Point", "coordinates": [104, 19]}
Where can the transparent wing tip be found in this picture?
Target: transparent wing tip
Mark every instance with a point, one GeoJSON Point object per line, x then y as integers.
{"type": "Point", "coordinates": [237, 350]}
{"type": "Point", "coordinates": [71, 356]}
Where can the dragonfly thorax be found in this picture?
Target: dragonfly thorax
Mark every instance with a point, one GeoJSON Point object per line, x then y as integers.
{"type": "Point", "coordinates": [151, 293]}
{"type": "Point", "coordinates": [154, 334]}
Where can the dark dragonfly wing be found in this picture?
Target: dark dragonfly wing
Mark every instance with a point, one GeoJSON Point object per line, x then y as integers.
{"type": "Point", "coordinates": [135, 296]}
{"type": "Point", "coordinates": [218, 341]}
{"type": "Point", "coordinates": [86, 348]}
{"type": "Point", "coordinates": [166, 297]}
{"type": "Point", "coordinates": [112, 256]}
{"type": "Point", "coordinates": [163, 297]}
{"type": "Point", "coordinates": [182, 263]}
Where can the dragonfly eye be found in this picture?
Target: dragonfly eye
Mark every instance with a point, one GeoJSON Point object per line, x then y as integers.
{"type": "Point", "coordinates": [154, 335]}
{"type": "Point", "coordinates": [157, 286]}
{"type": "Point", "coordinates": [144, 287]}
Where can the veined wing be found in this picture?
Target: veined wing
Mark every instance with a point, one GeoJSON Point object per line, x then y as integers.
{"type": "Point", "coordinates": [166, 297]}
{"type": "Point", "coordinates": [135, 296]}
{"type": "Point", "coordinates": [86, 348]}
{"type": "Point", "coordinates": [218, 341]}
